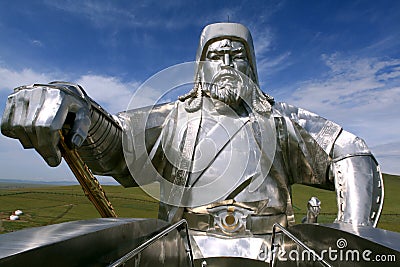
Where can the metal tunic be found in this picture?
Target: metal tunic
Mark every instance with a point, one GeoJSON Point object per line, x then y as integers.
{"type": "Point", "coordinates": [304, 154]}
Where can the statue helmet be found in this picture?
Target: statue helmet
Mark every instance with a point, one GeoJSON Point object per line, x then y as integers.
{"type": "Point", "coordinates": [234, 31]}
{"type": "Point", "coordinates": [261, 102]}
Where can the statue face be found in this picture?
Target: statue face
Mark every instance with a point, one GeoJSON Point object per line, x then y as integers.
{"type": "Point", "coordinates": [227, 71]}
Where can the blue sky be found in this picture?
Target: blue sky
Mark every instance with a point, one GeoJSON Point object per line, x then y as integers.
{"type": "Point", "coordinates": [340, 59]}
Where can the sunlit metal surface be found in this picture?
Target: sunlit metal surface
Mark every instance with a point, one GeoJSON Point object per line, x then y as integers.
{"type": "Point", "coordinates": [97, 242]}
{"type": "Point", "coordinates": [154, 247]}
{"type": "Point", "coordinates": [276, 246]}
{"type": "Point", "coordinates": [225, 154]}
{"type": "Point", "coordinates": [358, 181]}
{"type": "Point", "coordinates": [335, 245]}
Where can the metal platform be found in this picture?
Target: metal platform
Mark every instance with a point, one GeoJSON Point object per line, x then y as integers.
{"type": "Point", "coordinates": [151, 242]}
{"type": "Point", "coordinates": [97, 242]}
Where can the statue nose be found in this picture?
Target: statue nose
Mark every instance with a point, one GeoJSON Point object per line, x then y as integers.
{"type": "Point", "coordinates": [228, 60]}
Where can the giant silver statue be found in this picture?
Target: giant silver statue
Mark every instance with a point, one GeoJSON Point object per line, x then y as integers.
{"type": "Point", "coordinates": [225, 153]}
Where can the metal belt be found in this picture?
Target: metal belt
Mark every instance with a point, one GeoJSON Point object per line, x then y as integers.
{"type": "Point", "coordinates": [255, 224]}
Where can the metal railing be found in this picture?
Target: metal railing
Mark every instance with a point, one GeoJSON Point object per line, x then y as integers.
{"type": "Point", "coordinates": [274, 246]}
{"type": "Point", "coordinates": [136, 251]}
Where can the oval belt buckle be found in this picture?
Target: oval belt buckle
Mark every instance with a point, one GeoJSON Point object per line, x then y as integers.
{"type": "Point", "coordinates": [229, 219]}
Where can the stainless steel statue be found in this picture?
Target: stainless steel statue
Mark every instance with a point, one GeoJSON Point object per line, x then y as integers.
{"type": "Point", "coordinates": [226, 151]}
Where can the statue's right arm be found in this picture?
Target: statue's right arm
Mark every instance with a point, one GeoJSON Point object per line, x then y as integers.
{"type": "Point", "coordinates": [35, 114]}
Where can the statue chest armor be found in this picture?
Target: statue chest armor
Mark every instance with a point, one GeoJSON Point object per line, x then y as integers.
{"type": "Point", "coordinates": [227, 163]}
{"type": "Point", "coordinates": [234, 160]}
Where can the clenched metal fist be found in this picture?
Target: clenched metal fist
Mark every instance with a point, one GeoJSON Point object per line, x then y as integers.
{"type": "Point", "coordinates": [35, 114]}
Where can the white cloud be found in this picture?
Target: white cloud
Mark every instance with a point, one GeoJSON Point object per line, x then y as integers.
{"type": "Point", "coordinates": [268, 66]}
{"type": "Point", "coordinates": [389, 157]}
{"type": "Point", "coordinates": [37, 43]}
{"type": "Point", "coordinates": [109, 92]}
{"type": "Point", "coordinates": [99, 13]}
{"type": "Point", "coordinates": [361, 94]}
{"type": "Point", "coordinates": [113, 15]}
{"type": "Point", "coordinates": [263, 39]}
{"type": "Point", "coordinates": [10, 79]}
{"type": "Point", "coordinates": [357, 84]}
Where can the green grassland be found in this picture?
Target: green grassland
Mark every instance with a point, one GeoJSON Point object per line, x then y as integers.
{"type": "Point", "coordinates": [390, 217]}
{"type": "Point", "coordinates": [55, 204]}
{"type": "Point", "coordinates": [44, 205]}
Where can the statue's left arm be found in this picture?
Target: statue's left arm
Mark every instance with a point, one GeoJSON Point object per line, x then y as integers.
{"type": "Point", "coordinates": [322, 154]}
{"type": "Point", "coordinates": [358, 181]}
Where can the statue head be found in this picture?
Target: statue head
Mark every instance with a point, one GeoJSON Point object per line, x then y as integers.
{"type": "Point", "coordinates": [233, 43]}
{"type": "Point", "coordinates": [226, 68]}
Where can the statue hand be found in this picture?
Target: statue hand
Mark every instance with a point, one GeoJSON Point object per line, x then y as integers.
{"type": "Point", "coordinates": [35, 114]}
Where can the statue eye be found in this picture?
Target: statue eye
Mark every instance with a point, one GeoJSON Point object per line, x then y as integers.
{"type": "Point", "coordinates": [213, 56]}
{"type": "Point", "coordinates": [240, 56]}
